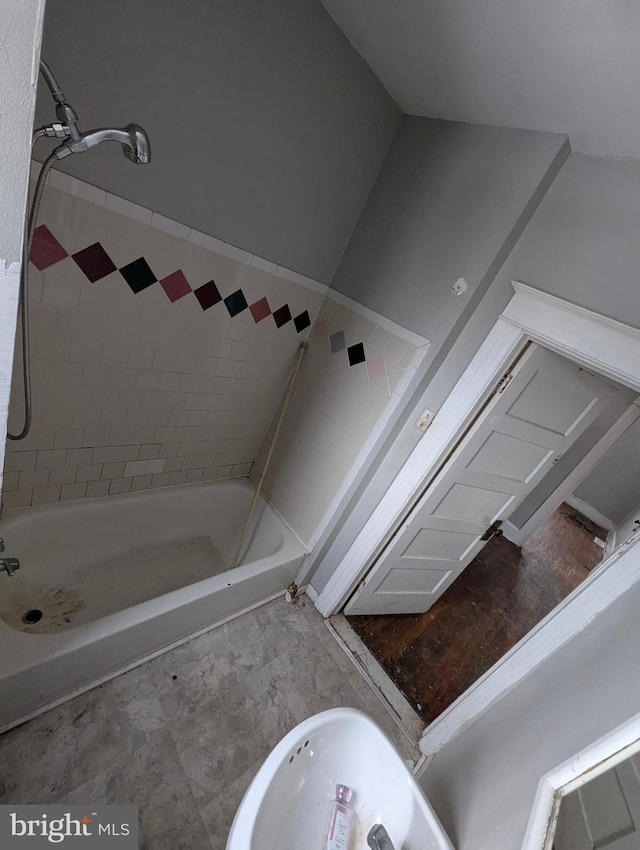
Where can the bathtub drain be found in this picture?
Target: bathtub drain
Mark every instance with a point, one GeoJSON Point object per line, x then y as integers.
{"type": "Point", "coordinates": [32, 616]}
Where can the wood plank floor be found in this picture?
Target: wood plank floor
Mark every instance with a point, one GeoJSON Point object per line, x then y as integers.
{"type": "Point", "coordinates": [503, 593]}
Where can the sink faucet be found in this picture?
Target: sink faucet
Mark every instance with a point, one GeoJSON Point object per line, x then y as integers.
{"type": "Point", "coordinates": [378, 838]}
{"type": "Point", "coordinates": [9, 566]}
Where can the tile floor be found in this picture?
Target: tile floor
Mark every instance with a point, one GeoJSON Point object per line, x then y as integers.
{"type": "Point", "coordinates": [184, 734]}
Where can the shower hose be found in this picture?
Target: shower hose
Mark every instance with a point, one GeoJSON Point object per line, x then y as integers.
{"type": "Point", "coordinates": [23, 305]}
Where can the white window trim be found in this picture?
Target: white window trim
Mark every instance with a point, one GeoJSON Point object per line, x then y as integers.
{"type": "Point", "coordinates": [604, 345]}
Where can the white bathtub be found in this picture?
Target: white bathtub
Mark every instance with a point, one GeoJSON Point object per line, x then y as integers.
{"type": "Point", "coordinates": [119, 579]}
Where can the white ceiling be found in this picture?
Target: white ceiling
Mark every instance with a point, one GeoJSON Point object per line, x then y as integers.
{"type": "Point", "coordinates": [564, 66]}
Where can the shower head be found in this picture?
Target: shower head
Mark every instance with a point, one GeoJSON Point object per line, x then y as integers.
{"type": "Point", "coordinates": [139, 149]}
{"type": "Point", "coordinates": [134, 141]}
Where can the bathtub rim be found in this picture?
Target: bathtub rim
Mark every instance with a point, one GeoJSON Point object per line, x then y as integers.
{"type": "Point", "coordinates": [189, 611]}
{"type": "Point", "coordinates": [95, 683]}
{"type": "Point", "coordinates": [61, 642]}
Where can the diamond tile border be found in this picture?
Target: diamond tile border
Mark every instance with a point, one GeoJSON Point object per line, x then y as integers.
{"type": "Point", "coordinates": [260, 310]}
{"type": "Point", "coordinates": [46, 250]}
{"type": "Point", "coordinates": [96, 264]}
{"type": "Point", "coordinates": [175, 285]}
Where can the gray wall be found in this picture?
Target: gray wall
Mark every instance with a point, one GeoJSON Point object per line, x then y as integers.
{"type": "Point", "coordinates": [581, 244]}
{"type": "Point", "coordinates": [19, 40]}
{"type": "Point", "coordinates": [446, 200]}
{"type": "Point", "coordinates": [613, 488]}
{"type": "Point", "coordinates": [478, 187]}
{"type": "Point", "coordinates": [267, 128]}
{"type": "Point", "coordinates": [483, 783]}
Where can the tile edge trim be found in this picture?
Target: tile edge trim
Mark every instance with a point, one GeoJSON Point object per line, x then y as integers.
{"type": "Point", "coordinates": [115, 203]}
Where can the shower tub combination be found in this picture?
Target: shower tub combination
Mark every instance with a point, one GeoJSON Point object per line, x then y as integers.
{"type": "Point", "coordinates": [107, 583]}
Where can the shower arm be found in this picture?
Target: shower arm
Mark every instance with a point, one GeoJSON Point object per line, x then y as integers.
{"type": "Point", "coordinates": [132, 137]}
{"type": "Point", "coordinates": [65, 113]}
{"type": "Point", "coordinates": [56, 92]}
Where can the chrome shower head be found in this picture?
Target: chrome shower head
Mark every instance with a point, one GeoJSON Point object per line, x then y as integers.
{"type": "Point", "coordinates": [134, 141]}
{"type": "Point", "coordinates": [139, 150]}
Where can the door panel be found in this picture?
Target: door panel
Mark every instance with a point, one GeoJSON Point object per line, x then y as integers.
{"type": "Point", "coordinates": [526, 426]}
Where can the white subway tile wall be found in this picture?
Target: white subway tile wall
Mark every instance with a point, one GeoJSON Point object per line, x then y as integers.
{"type": "Point", "coordinates": [135, 390]}
{"type": "Point", "coordinates": [336, 412]}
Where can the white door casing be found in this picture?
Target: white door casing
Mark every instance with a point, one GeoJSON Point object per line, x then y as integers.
{"type": "Point", "coordinates": [536, 413]}
{"type": "Point", "coordinates": [609, 347]}
{"type": "Point", "coordinates": [612, 349]}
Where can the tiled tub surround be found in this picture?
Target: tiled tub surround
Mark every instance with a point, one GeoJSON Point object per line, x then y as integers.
{"type": "Point", "coordinates": [155, 360]}
{"type": "Point", "coordinates": [357, 366]}
{"type": "Point", "coordinates": [119, 579]}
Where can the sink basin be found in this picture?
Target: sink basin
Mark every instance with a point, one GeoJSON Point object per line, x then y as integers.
{"type": "Point", "coordinates": [286, 805]}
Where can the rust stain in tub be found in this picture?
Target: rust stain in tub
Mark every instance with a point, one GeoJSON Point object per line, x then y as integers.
{"type": "Point", "coordinates": [58, 607]}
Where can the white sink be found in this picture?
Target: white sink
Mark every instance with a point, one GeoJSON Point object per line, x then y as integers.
{"type": "Point", "coordinates": [286, 805]}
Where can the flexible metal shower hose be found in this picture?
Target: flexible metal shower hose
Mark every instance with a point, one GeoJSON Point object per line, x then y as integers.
{"type": "Point", "coordinates": [30, 226]}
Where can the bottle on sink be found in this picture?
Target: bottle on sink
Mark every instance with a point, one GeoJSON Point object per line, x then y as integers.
{"type": "Point", "coordinates": [341, 821]}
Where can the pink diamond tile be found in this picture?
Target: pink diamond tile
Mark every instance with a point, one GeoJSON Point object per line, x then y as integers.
{"type": "Point", "coordinates": [260, 310]}
{"type": "Point", "coordinates": [321, 328]}
{"type": "Point", "coordinates": [175, 285]}
{"type": "Point", "coordinates": [45, 249]}
{"type": "Point", "coordinates": [376, 368]}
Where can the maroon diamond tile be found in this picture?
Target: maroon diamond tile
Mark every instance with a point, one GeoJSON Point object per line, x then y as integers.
{"type": "Point", "coordinates": [260, 310]}
{"type": "Point", "coordinates": [175, 285]}
{"type": "Point", "coordinates": [45, 248]}
{"type": "Point", "coordinates": [282, 315]}
{"type": "Point", "coordinates": [94, 262]}
{"type": "Point", "coordinates": [207, 295]}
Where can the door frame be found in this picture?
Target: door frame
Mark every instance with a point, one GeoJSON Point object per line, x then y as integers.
{"type": "Point", "coordinates": [494, 417]}
{"type": "Point", "coordinates": [604, 345]}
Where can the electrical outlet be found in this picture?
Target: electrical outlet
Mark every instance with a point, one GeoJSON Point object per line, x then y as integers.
{"type": "Point", "coordinates": [425, 420]}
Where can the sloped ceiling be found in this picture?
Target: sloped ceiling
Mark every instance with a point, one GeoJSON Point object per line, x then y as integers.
{"type": "Point", "coordinates": [564, 66]}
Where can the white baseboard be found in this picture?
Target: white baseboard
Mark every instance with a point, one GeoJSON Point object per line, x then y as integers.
{"type": "Point", "coordinates": [590, 512]}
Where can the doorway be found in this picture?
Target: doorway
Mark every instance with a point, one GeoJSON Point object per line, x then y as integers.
{"type": "Point", "coordinates": [608, 348]}
{"type": "Point", "coordinates": [517, 578]}
{"type": "Point", "coordinates": [435, 657]}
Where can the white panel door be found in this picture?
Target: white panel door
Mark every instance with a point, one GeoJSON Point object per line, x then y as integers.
{"type": "Point", "coordinates": [545, 403]}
